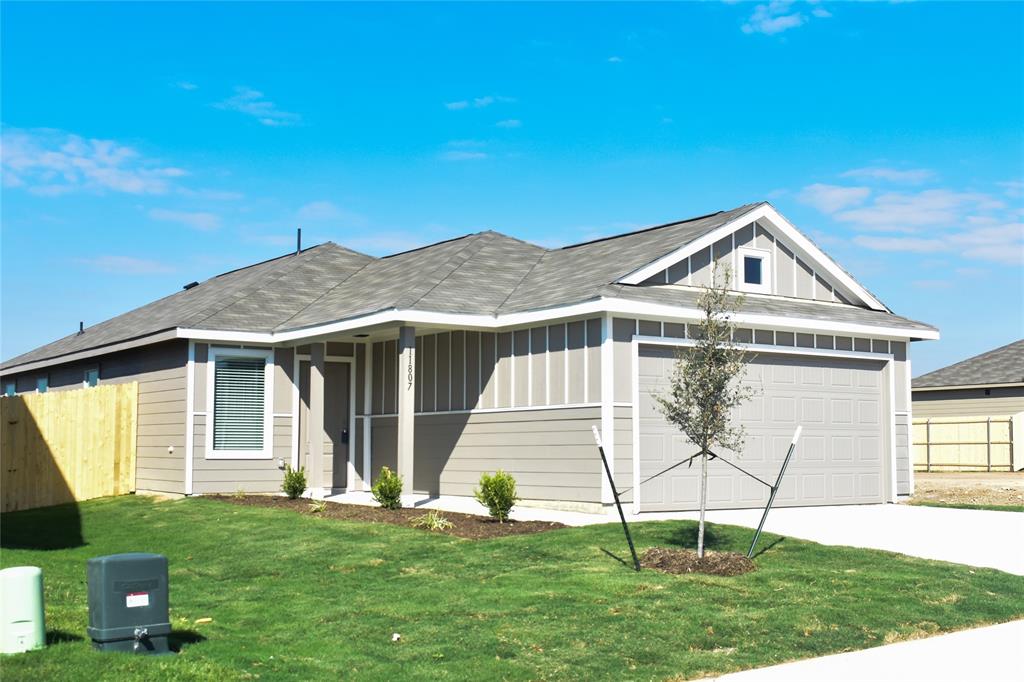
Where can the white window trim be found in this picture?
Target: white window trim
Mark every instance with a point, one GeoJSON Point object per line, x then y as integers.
{"type": "Point", "coordinates": [765, 255]}
{"type": "Point", "coordinates": [268, 402]}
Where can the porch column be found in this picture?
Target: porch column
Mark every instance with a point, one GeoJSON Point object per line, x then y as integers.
{"type": "Point", "coordinates": [406, 404]}
{"type": "Point", "coordinates": [315, 432]}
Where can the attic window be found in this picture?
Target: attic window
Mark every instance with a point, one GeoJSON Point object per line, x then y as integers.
{"type": "Point", "coordinates": [754, 270]}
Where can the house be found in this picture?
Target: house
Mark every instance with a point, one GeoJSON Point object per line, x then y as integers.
{"type": "Point", "coordinates": [970, 415]}
{"type": "Point", "coordinates": [488, 352]}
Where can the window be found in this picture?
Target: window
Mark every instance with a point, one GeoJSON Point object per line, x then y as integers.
{"type": "Point", "coordinates": [239, 404]}
{"type": "Point", "coordinates": [755, 270]}
{"type": "Point", "coordinates": [10, 389]}
{"type": "Point", "coordinates": [92, 377]}
{"type": "Point", "coordinates": [752, 269]}
{"type": "Point", "coordinates": [42, 384]}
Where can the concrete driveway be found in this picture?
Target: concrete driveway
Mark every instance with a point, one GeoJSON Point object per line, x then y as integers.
{"type": "Point", "coordinates": [991, 654]}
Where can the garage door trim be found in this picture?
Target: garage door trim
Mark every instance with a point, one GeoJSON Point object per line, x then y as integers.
{"type": "Point", "coordinates": [888, 379]}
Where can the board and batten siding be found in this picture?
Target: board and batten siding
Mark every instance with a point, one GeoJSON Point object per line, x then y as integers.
{"type": "Point", "coordinates": [248, 475]}
{"type": "Point", "coordinates": [160, 370]}
{"type": "Point", "coordinates": [550, 452]}
{"type": "Point", "coordinates": [789, 275]}
{"type": "Point", "coordinates": [552, 365]}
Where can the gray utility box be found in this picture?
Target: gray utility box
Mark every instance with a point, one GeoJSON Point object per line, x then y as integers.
{"type": "Point", "coordinates": [128, 603]}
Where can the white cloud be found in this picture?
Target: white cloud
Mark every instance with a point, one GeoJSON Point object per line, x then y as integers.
{"type": "Point", "coordinates": [773, 17]}
{"type": "Point", "coordinates": [197, 220]}
{"type": "Point", "coordinates": [913, 244]}
{"type": "Point", "coordinates": [509, 123]}
{"type": "Point", "coordinates": [53, 162]}
{"type": "Point", "coordinates": [821, 13]}
{"type": "Point", "coordinates": [1012, 188]}
{"type": "Point", "coordinates": [615, 60]}
{"type": "Point", "coordinates": [462, 155]}
{"type": "Point", "coordinates": [317, 211]}
{"type": "Point", "coordinates": [126, 265]}
{"type": "Point", "coordinates": [185, 85]}
{"type": "Point", "coordinates": [253, 103]}
{"type": "Point", "coordinates": [832, 198]}
{"type": "Point", "coordinates": [666, 120]}
{"type": "Point", "coordinates": [914, 176]}
{"type": "Point", "coordinates": [903, 212]}
{"type": "Point", "coordinates": [478, 102]}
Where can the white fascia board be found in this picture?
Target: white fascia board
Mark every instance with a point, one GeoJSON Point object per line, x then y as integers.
{"type": "Point", "coordinates": [916, 389]}
{"type": "Point", "coordinates": [598, 306]}
{"type": "Point", "coordinates": [805, 247]}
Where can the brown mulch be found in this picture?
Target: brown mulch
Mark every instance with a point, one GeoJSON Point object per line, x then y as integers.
{"type": "Point", "coordinates": [463, 525]}
{"type": "Point", "coordinates": [686, 561]}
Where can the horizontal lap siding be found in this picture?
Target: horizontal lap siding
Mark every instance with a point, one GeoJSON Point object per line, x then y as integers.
{"type": "Point", "coordinates": [902, 454]}
{"type": "Point", "coordinates": [160, 370]}
{"type": "Point", "coordinates": [550, 452]}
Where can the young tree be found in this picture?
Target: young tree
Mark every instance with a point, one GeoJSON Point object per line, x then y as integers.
{"type": "Point", "coordinates": [706, 386]}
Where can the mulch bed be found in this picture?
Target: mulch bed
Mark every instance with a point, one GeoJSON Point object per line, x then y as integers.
{"type": "Point", "coordinates": [464, 525]}
{"type": "Point", "coordinates": [686, 561]}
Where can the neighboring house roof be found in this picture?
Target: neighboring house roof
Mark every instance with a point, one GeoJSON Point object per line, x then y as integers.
{"type": "Point", "coordinates": [486, 273]}
{"type": "Point", "coordinates": [1004, 365]}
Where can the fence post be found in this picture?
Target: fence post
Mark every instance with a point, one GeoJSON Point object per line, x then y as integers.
{"type": "Point", "coordinates": [988, 444]}
{"type": "Point", "coordinates": [928, 445]}
{"type": "Point", "coordinates": [1009, 423]}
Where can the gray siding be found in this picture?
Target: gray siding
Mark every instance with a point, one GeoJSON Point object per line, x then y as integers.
{"type": "Point", "coordinates": [160, 371]}
{"type": "Point", "coordinates": [902, 455]}
{"type": "Point", "coordinates": [549, 451]}
{"type": "Point", "coordinates": [969, 402]}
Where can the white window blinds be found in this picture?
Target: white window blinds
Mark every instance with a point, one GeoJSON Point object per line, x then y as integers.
{"type": "Point", "coordinates": [238, 403]}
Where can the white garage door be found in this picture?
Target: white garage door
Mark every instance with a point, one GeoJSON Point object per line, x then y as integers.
{"type": "Point", "coordinates": [840, 458]}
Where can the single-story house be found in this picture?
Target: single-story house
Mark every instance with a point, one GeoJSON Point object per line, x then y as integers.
{"type": "Point", "coordinates": [972, 401]}
{"type": "Point", "coordinates": [488, 352]}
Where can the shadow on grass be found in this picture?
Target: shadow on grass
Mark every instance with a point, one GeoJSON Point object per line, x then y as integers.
{"type": "Point", "coordinates": [46, 528]}
{"type": "Point", "coordinates": [685, 536]}
{"type": "Point", "coordinates": [181, 638]}
{"type": "Point", "coordinates": [61, 636]}
{"type": "Point", "coordinates": [768, 546]}
{"type": "Point", "coordinates": [628, 564]}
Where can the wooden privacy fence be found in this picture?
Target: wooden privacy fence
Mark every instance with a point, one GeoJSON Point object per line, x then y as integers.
{"type": "Point", "coordinates": [963, 444]}
{"type": "Point", "coordinates": [67, 446]}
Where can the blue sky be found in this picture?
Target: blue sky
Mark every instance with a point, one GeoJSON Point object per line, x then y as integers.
{"type": "Point", "coordinates": [146, 146]}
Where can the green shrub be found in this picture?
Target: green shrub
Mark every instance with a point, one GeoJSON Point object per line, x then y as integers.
{"type": "Point", "coordinates": [318, 506]}
{"type": "Point", "coordinates": [294, 483]}
{"type": "Point", "coordinates": [497, 493]}
{"type": "Point", "coordinates": [433, 520]}
{"type": "Point", "coordinates": [388, 489]}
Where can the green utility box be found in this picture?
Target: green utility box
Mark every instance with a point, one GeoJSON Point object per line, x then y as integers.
{"type": "Point", "coordinates": [22, 622]}
{"type": "Point", "coordinates": [128, 607]}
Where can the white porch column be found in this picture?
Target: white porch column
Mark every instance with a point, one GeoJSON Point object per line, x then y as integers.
{"type": "Point", "coordinates": [607, 404]}
{"type": "Point", "coordinates": [315, 432]}
{"type": "Point", "coordinates": [406, 404]}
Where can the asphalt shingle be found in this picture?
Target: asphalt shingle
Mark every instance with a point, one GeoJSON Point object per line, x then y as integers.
{"type": "Point", "coordinates": [1003, 365]}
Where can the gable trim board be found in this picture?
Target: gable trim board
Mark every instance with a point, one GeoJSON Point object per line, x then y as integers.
{"type": "Point", "coordinates": [889, 492]}
{"type": "Point", "coordinates": [765, 212]}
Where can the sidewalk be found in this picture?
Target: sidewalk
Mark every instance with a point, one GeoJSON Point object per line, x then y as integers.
{"type": "Point", "coordinates": [989, 654]}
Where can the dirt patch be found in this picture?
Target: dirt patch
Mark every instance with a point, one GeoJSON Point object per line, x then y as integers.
{"type": "Point", "coordinates": [686, 561]}
{"type": "Point", "coordinates": [463, 525]}
{"type": "Point", "coordinates": [969, 488]}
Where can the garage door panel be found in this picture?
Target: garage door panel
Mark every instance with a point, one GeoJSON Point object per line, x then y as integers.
{"type": "Point", "coordinates": [841, 453]}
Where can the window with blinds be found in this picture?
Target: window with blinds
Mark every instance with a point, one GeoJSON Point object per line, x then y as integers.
{"type": "Point", "coordinates": [238, 403]}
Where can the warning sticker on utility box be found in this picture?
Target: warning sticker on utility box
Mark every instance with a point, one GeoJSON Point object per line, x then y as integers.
{"type": "Point", "coordinates": [134, 599]}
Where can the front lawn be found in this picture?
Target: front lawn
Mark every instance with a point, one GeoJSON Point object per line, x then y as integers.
{"type": "Point", "coordinates": [959, 505]}
{"type": "Point", "coordinates": [300, 597]}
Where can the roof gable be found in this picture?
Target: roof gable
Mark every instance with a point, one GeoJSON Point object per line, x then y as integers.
{"type": "Point", "coordinates": [802, 248]}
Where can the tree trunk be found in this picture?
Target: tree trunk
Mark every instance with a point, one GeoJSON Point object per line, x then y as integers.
{"type": "Point", "coordinates": [703, 502]}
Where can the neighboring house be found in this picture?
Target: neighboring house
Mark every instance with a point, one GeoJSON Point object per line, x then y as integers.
{"type": "Point", "coordinates": [487, 352]}
{"type": "Point", "coordinates": [974, 400]}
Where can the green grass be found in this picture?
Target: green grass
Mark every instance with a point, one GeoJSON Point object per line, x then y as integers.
{"type": "Point", "coordinates": [301, 597]}
{"type": "Point", "coordinates": [957, 505]}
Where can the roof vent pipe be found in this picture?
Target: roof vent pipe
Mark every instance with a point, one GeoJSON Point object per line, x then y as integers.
{"type": "Point", "coordinates": [81, 327]}
{"type": "Point", "coordinates": [298, 240]}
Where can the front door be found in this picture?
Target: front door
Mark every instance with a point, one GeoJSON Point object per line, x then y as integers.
{"type": "Point", "coordinates": [336, 425]}
{"type": "Point", "coordinates": [336, 420]}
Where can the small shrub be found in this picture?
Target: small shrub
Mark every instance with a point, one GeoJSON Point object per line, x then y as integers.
{"type": "Point", "coordinates": [317, 506]}
{"type": "Point", "coordinates": [388, 489]}
{"type": "Point", "coordinates": [294, 483]}
{"type": "Point", "coordinates": [239, 494]}
{"type": "Point", "coordinates": [433, 520]}
{"type": "Point", "coordinates": [497, 493]}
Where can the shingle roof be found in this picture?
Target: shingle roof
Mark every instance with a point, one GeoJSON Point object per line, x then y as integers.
{"type": "Point", "coordinates": [484, 273]}
{"type": "Point", "coordinates": [1004, 365]}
